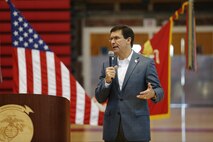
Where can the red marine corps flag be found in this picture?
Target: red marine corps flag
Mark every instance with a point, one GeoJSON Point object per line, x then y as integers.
{"type": "Point", "coordinates": [38, 71]}
{"type": "Point", "coordinates": [158, 48]}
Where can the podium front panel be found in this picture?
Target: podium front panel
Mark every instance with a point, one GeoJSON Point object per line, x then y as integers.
{"type": "Point", "coordinates": [36, 118]}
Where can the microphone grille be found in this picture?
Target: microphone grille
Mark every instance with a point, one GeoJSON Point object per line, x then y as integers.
{"type": "Point", "coordinates": [111, 53]}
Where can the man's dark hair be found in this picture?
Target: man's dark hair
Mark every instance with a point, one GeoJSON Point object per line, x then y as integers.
{"type": "Point", "coordinates": [126, 32]}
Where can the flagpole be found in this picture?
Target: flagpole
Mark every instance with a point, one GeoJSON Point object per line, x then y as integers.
{"type": "Point", "coordinates": [183, 104]}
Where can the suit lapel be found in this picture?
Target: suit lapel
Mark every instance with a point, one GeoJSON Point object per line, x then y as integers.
{"type": "Point", "coordinates": [132, 64]}
{"type": "Point", "coordinates": [116, 81]}
{"type": "Point", "coordinates": [116, 77]}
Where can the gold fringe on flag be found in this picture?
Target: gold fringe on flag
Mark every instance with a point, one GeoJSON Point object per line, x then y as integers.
{"type": "Point", "coordinates": [190, 46]}
{"type": "Point", "coordinates": [190, 50]}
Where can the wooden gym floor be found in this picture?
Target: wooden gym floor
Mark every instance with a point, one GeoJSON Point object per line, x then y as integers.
{"type": "Point", "coordinates": [196, 126]}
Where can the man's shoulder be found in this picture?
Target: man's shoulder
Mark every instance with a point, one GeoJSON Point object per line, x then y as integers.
{"type": "Point", "coordinates": [144, 58]}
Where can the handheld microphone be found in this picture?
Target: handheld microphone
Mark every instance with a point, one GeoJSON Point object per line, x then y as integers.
{"type": "Point", "coordinates": [112, 61]}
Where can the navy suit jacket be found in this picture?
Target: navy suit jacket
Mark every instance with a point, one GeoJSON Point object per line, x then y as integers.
{"type": "Point", "coordinates": [124, 105]}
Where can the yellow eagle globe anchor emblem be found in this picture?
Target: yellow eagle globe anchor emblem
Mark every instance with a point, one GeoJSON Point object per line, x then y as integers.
{"type": "Point", "coordinates": [15, 123]}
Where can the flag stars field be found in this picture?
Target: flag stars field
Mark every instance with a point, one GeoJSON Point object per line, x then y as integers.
{"type": "Point", "coordinates": [24, 35]}
{"type": "Point", "coordinates": [15, 23]}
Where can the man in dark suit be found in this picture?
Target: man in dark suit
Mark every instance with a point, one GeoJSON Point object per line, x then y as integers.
{"type": "Point", "coordinates": [126, 87]}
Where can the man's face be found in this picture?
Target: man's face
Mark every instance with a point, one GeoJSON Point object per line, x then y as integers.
{"type": "Point", "coordinates": [118, 43]}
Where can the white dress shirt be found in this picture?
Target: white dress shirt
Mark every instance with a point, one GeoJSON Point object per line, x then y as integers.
{"type": "Point", "coordinates": [122, 68]}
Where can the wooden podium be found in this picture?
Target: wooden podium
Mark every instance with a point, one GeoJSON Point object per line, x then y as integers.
{"type": "Point", "coordinates": [36, 118]}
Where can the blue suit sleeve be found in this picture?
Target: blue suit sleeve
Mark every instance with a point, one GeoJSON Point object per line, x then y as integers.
{"type": "Point", "coordinates": [152, 77]}
{"type": "Point", "coordinates": [102, 91]}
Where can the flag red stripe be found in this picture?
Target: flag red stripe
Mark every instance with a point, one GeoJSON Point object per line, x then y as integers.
{"type": "Point", "coordinates": [87, 109]}
{"type": "Point", "coordinates": [15, 72]}
{"type": "Point", "coordinates": [44, 79]}
{"type": "Point", "coordinates": [58, 77]}
{"type": "Point", "coordinates": [29, 70]}
{"type": "Point", "coordinates": [73, 99]}
{"type": "Point", "coordinates": [100, 118]}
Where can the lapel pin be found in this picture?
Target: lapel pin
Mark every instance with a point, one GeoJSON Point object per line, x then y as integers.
{"type": "Point", "coordinates": [136, 60]}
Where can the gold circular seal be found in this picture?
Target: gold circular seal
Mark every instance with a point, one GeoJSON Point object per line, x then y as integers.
{"type": "Point", "coordinates": [15, 123]}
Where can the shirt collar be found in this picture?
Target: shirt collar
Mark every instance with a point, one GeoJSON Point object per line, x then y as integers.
{"type": "Point", "coordinates": [128, 58]}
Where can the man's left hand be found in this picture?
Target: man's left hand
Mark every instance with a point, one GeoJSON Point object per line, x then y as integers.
{"type": "Point", "coordinates": [147, 94]}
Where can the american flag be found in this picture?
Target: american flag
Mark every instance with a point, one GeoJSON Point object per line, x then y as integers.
{"type": "Point", "coordinates": [38, 71]}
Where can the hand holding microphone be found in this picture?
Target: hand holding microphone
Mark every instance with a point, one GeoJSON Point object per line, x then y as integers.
{"type": "Point", "coordinates": [110, 74]}
{"type": "Point", "coordinates": [111, 70]}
